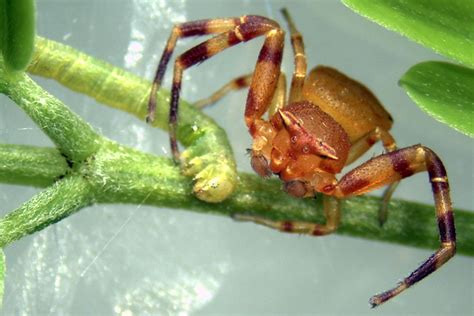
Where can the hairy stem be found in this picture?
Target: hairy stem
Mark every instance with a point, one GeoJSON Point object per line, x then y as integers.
{"type": "Point", "coordinates": [131, 176]}
{"type": "Point", "coordinates": [29, 165]}
{"type": "Point", "coordinates": [48, 207]}
{"type": "Point", "coordinates": [208, 157]}
{"type": "Point", "coordinates": [74, 138]}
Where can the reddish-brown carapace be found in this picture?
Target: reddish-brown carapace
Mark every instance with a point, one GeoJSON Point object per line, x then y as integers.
{"type": "Point", "coordinates": [327, 122]}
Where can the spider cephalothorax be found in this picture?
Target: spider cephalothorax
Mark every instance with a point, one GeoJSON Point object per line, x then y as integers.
{"type": "Point", "coordinates": [306, 148]}
{"type": "Point", "coordinates": [328, 121]}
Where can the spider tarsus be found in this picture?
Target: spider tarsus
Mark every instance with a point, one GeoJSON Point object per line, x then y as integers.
{"type": "Point", "coordinates": [383, 214]}
{"type": "Point", "coordinates": [149, 119]}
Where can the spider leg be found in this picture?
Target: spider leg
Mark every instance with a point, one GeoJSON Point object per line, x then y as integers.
{"type": "Point", "coordinates": [235, 84]}
{"type": "Point", "coordinates": [279, 98]}
{"type": "Point", "coordinates": [252, 26]}
{"type": "Point", "coordinates": [299, 73]}
{"type": "Point", "coordinates": [392, 167]}
{"type": "Point", "coordinates": [242, 82]}
{"type": "Point", "coordinates": [361, 146]}
{"type": "Point", "coordinates": [331, 213]}
{"type": "Point", "coordinates": [183, 30]}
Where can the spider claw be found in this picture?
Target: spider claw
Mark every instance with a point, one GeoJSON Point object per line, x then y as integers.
{"type": "Point", "coordinates": [149, 119]}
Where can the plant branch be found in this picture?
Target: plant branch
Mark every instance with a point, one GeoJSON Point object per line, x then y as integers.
{"type": "Point", "coordinates": [123, 175]}
{"type": "Point", "coordinates": [74, 138]}
{"type": "Point", "coordinates": [46, 208]}
{"type": "Point", "coordinates": [29, 165]}
{"type": "Point", "coordinates": [208, 156]}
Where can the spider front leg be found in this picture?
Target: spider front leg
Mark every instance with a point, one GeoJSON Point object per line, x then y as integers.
{"type": "Point", "coordinates": [183, 30]}
{"type": "Point", "coordinates": [250, 27]}
{"type": "Point", "coordinates": [392, 167]}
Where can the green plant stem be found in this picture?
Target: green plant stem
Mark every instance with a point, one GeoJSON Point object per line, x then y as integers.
{"type": "Point", "coordinates": [74, 138]}
{"type": "Point", "coordinates": [29, 165]}
{"type": "Point", "coordinates": [208, 157]}
{"type": "Point", "coordinates": [46, 208]}
{"type": "Point", "coordinates": [123, 175]}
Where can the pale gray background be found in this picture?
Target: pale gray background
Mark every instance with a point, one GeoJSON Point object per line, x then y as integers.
{"type": "Point", "coordinates": [129, 260]}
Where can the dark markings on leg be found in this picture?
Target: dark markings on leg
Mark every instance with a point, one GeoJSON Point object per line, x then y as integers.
{"type": "Point", "coordinates": [173, 115]}
{"type": "Point", "coordinates": [265, 78]}
{"type": "Point", "coordinates": [400, 164]}
{"type": "Point", "coordinates": [233, 39]}
{"type": "Point", "coordinates": [447, 231]}
{"type": "Point", "coordinates": [446, 227]}
{"type": "Point", "coordinates": [205, 50]}
{"type": "Point", "coordinates": [253, 25]}
{"type": "Point", "coordinates": [187, 29]}
{"type": "Point", "coordinates": [371, 141]}
{"type": "Point", "coordinates": [352, 184]}
{"type": "Point", "coordinates": [242, 81]}
{"type": "Point", "coordinates": [195, 55]}
{"type": "Point", "coordinates": [287, 226]}
{"type": "Point", "coordinates": [440, 188]}
{"type": "Point", "coordinates": [331, 212]}
{"type": "Point", "coordinates": [269, 54]}
{"type": "Point", "coordinates": [194, 28]}
{"type": "Point", "coordinates": [361, 146]}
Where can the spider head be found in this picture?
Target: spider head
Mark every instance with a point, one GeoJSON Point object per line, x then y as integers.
{"type": "Point", "coordinates": [304, 146]}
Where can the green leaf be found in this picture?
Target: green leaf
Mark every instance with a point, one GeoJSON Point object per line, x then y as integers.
{"type": "Point", "coordinates": [445, 26]}
{"type": "Point", "coordinates": [2, 275]}
{"type": "Point", "coordinates": [17, 32]}
{"type": "Point", "coordinates": [444, 91]}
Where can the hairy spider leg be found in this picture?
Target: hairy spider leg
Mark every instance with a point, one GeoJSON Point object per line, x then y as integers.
{"type": "Point", "coordinates": [264, 81]}
{"type": "Point", "coordinates": [242, 29]}
{"type": "Point", "coordinates": [235, 84]}
{"type": "Point", "coordinates": [331, 213]}
{"type": "Point", "coordinates": [392, 167]}
{"type": "Point", "coordinates": [242, 82]}
{"type": "Point", "coordinates": [183, 30]}
{"type": "Point", "coordinates": [299, 73]}
{"type": "Point", "coordinates": [361, 146]}
{"type": "Point", "coordinates": [373, 174]}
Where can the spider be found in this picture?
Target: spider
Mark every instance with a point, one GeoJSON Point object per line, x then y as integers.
{"type": "Point", "coordinates": [328, 121]}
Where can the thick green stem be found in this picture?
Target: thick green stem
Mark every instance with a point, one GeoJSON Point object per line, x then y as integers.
{"type": "Point", "coordinates": [48, 207]}
{"type": "Point", "coordinates": [30, 165]}
{"type": "Point", "coordinates": [208, 157]}
{"type": "Point", "coordinates": [119, 174]}
{"type": "Point", "coordinates": [74, 138]}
